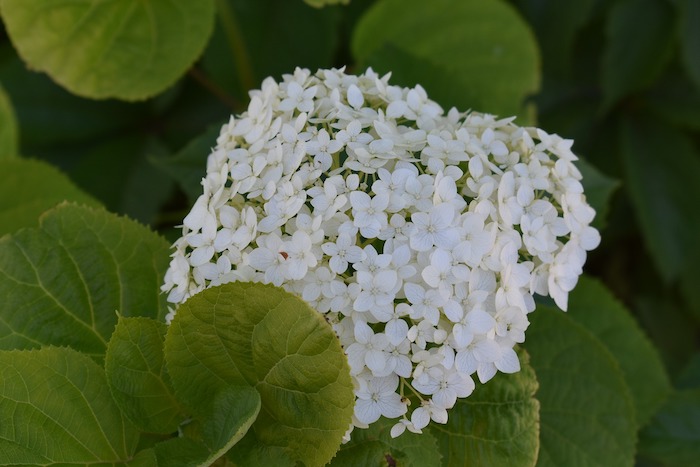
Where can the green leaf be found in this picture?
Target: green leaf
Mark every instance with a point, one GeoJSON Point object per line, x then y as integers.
{"type": "Point", "coordinates": [233, 412]}
{"type": "Point", "coordinates": [498, 424]}
{"type": "Point", "coordinates": [595, 308]}
{"type": "Point", "coordinates": [374, 446]}
{"type": "Point", "coordinates": [135, 369]}
{"type": "Point", "coordinates": [56, 408]}
{"type": "Point", "coordinates": [486, 55]}
{"type": "Point", "coordinates": [690, 38]}
{"type": "Point", "coordinates": [586, 412]}
{"type": "Point", "coordinates": [9, 138]}
{"type": "Point", "coordinates": [254, 40]}
{"type": "Point", "coordinates": [134, 187]}
{"type": "Point", "coordinates": [599, 189]}
{"type": "Point", "coordinates": [252, 452]}
{"type": "Point", "coordinates": [322, 3]}
{"type": "Point", "coordinates": [132, 49]}
{"type": "Point", "coordinates": [673, 437]}
{"type": "Point", "coordinates": [175, 452]}
{"type": "Point", "coordinates": [52, 119]}
{"type": "Point", "coordinates": [28, 188]}
{"type": "Point", "coordinates": [661, 165]}
{"type": "Point", "coordinates": [690, 376]}
{"type": "Point", "coordinates": [676, 99]}
{"type": "Point", "coordinates": [188, 166]}
{"type": "Point", "coordinates": [556, 24]}
{"type": "Point", "coordinates": [62, 283]}
{"type": "Point", "coordinates": [640, 44]}
{"type": "Point", "coordinates": [243, 334]}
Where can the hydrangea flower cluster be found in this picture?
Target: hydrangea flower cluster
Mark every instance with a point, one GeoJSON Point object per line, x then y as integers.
{"type": "Point", "coordinates": [422, 236]}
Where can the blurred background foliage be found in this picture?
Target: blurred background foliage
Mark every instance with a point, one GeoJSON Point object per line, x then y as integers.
{"type": "Point", "coordinates": [622, 78]}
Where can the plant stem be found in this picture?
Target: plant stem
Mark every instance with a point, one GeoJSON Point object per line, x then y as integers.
{"type": "Point", "coordinates": [237, 45]}
{"type": "Point", "coordinates": [213, 88]}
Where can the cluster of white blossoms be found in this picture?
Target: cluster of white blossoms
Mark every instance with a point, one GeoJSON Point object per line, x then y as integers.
{"type": "Point", "coordinates": [421, 236]}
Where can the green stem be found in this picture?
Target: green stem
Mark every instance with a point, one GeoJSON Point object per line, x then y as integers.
{"type": "Point", "coordinates": [237, 45]}
{"type": "Point", "coordinates": [215, 90]}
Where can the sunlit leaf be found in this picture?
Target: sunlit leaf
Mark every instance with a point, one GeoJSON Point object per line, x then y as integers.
{"type": "Point", "coordinates": [56, 408]}
{"type": "Point", "coordinates": [64, 282]}
{"type": "Point", "coordinates": [131, 49]}
{"type": "Point", "coordinates": [30, 187]}
{"type": "Point", "coordinates": [486, 54]}
{"type": "Point", "coordinates": [257, 335]}
{"type": "Point", "coordinates": [586, 411]}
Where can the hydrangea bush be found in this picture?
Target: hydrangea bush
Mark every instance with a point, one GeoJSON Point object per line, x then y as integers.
{"type": "Point", "coordinates": [421, 235]}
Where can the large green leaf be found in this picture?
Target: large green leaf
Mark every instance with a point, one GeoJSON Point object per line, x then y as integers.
{"type": "Point", "coordinates": [131, 49]}
{"type": "Point", "coordinates": [499, 424]}
{"type": "Point", "coordinates": [243, 334]}
{"type": "Point", "coordinates": [468, 54]}
{"type": "Point", "coordinates": [30, 187]}
{"type": "Point", "coordinates": [586, 411]}
{"type": "Point", "coordinates": [135, 369]}
{"type": "Point", "coordinates": [64, 282]}
{"type": "Point", "coordinates": [375, 446]}
{"type": "Point", "coordinates": [673, 437]}
{"type": "Point", "coordinates": [662, 166]}
{"type": "Point", "coordinates": [640, 44]}
{"type": "Point", "coordinates": [596, 309]}
{"type": "Point", "coordinates": [8, 128]}
{"type": "Point", "coordinates": [56, 408]}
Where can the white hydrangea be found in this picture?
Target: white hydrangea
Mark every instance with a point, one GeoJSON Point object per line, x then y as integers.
{"type": "Point", "coordinates": [422, 236]}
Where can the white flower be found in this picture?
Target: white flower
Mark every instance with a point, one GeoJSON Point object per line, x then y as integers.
{"type": "Point", "coordinates": [434, 229]}
{"type": "Point", "coordinates": [424, 303]}
{"type": "Point", "coordinates": [298, 98]}
{"type": "Point", "coordinates": [342, 251]}
{"type": "Point", "coordinates": [299, 257]}
{"type": "Point", "coordinates": [369, 213]}
{"type": "Point", "coordinates": [322, 149]}
{"type": "Point", "coordinates": [368, 349]}
{"type": "Point", "coordinates": [428, 411]}
{"type": "Point", "coordinates": [421, 236]}
{"type": "Point", "coordinates": [377, 397]}
{"type": "Point", "coordinates": [376, 295]}
{"type": "Point", "coordinates": [403, 425]}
